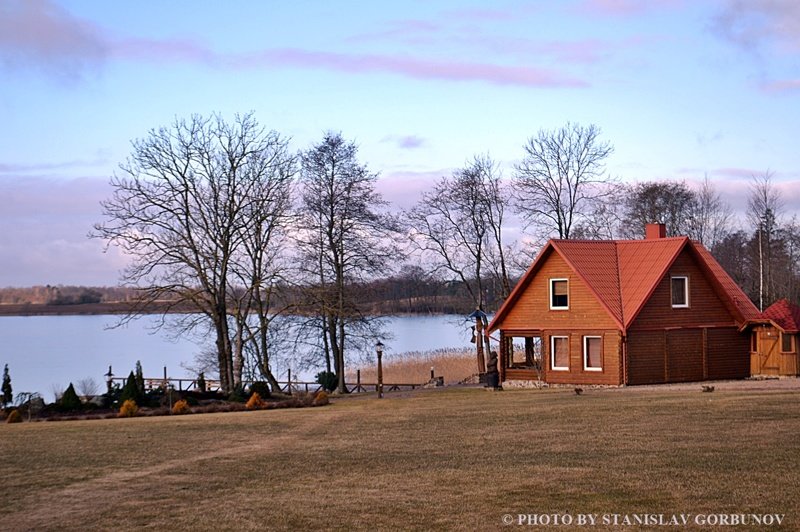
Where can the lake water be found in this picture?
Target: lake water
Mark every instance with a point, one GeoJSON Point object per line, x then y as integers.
{"type": "Point", "coordinates": [46, 353]}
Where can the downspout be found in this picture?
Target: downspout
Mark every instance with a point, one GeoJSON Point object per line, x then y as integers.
{"type": "Point", "coordinates": [624, 346]}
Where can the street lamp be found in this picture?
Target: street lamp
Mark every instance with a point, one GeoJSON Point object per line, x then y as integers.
{"type": "Point", "coordinates": [480, 318]}
{"type": "Point", "coordinates": [379, 351]}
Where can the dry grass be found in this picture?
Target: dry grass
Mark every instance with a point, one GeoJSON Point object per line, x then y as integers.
{"type": "Point", "coordinates": [455, 365]}
{"type": "Point", "coordinates": [452, 459]}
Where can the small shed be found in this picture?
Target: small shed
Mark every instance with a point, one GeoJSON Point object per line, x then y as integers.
{"type": "Point", "coordinates": [774, 340]}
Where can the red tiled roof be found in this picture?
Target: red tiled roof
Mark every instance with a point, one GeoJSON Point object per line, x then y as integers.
{"type": "Point", "coordinates": [623, 274]}
{"type": "Point", "coordinates": [596, 263]}
{"type": "Point", "coordinates": [785, 314]}
{"type": "Point", "coordinates": [735, 294]}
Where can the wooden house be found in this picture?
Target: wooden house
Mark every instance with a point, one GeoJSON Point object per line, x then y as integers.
{"type": "Point", "coordinates": [774, 340]}
{"type": "Point", "coordinates": [624, 312]}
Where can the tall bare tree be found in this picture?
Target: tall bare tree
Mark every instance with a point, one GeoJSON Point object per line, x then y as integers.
{"type": "Point", "coordinates": [764, 208]}
{"type": "Point", "coordinates": [180, 209]}
{"type": "Point", "coordinates": [344, 239]}
{"type": "Point", "coordinates": [711, 217]}
{"type": "Point", "coordinates": [458, 227]}
{"type": "Point", "coordinates": [561, 177]}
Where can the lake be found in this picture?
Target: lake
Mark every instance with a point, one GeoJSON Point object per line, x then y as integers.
{"type": "Point", "coordinates": [46, 353]}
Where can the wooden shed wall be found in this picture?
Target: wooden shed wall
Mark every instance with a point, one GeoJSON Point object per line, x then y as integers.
{"type": "Point", "coordinates": [532, 309]}
{"type": "Point", "coordinates": [728, 354]}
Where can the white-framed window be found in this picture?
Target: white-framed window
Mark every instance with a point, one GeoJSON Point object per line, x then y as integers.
{"type": "Point", "coordinates": [593, 353]}
{"type": "Point", "coordinates": [559, 294]}
{"type": "Point", "coordinates": [559, 353]}
{"type": "Point", "coordinates": [680, 291]}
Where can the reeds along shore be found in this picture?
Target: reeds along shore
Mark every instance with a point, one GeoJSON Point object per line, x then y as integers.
{"type": "Point", "coordinates": [454, 364]}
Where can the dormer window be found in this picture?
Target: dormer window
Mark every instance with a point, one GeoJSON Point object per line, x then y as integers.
{"type": "Point", "coordinates": [559, 294]}
{"type": "Point", "coordinates": [680, 292]}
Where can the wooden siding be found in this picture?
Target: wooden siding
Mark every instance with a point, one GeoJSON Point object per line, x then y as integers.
{"type": "Point", "coordinates": [705, 307]}
{"type": "Point", "coordinates": [727, 354]}
{"type": "Point", "coordinates": [667, 344]}
{"type": "Point", "coordinates": [646, 360]}
{"type": "Point", "coordinates": [517, 374]}
{"type": "Point", "coordinates": [532, 309]}
{"type": "Point", "coordinates": [611, 373]}
{"type": "Point", "coordinates": [770, 359]}
{"type": "Point", "coordinates": [686, 355]}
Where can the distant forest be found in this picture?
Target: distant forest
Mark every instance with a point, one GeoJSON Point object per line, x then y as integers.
{"type": "Point", "coordinates": [412, 291]}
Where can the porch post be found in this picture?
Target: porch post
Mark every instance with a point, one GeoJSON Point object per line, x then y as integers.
{"type": "Point", "coordinates": [503, 356]}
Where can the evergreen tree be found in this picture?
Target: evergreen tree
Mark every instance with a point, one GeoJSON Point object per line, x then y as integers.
{"type": "Point", "coordinates": [139, 378]}
{"type": "Point", "coordinates": [69, 400]}
{"type": "Point", "coordinates": [7, 396]}
{"type": "Point", "coordinates": [131, 391]}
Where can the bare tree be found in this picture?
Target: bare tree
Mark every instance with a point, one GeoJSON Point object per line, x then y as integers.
{"type": "Point", "coordinates": [764, 208]}
{"type": "Point", "coordinates": [179, 209]}
{"type": "Point", "coordinates": [560, 178]}
{"type": "Point", "coordinates": [343, 240]}
{"type": "Point", "coordinates": [458, 226]}
{"type": "Point", "coordinates": [710, 218]}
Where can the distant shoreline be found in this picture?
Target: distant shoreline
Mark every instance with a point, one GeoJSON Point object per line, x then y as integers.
{"type": "Point", "coordinates": [79, 309]}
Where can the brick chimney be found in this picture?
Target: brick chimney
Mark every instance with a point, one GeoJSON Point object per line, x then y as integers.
{"type": "Point", "coordinates": [655, 231]}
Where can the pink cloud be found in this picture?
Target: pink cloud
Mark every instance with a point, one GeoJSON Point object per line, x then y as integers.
{"type": "Point", "coordinates": [404, 188]}
{"type": "Point", "coordinates": [38, 34]}
{"type": "Point", "coordinates": [407, 142]}
{"type": "Point", "coordinates": [407, 31]}
{"type": "Point", "coordinates": [165, 50]}
{"type": "Point", "coordinates": [749, 24]}
{"type": "Point", "coordinates": [414, 68]}
{"type": "Point", "coordinates": [783, 85]}
{"type": "Point", "coordinates": [617, 8]}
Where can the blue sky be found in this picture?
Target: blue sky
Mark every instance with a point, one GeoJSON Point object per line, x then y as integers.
{"type": "Point", "coordinates": [680, 88]}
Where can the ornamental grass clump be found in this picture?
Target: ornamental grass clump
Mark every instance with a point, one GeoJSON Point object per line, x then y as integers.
{"type": "Point", "coordinates": [255, 402]}
{"type": "Point", "coordinates": [128, 408]}
{"type": "Point", "coordinates": [320, 399]}
{"type": "Point", "coordinates": [14, 417]}
{"type": "Point", "coordinates": [181, 407]}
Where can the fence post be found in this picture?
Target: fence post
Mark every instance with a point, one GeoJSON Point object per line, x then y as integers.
{"type": "Point", "coordinates": [289, 386]}
{"type": "Point", "coordinates": [358, 380]}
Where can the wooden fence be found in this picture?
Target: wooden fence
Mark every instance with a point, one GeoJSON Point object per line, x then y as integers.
{"type": "Point", "coordinates": [287, 386]}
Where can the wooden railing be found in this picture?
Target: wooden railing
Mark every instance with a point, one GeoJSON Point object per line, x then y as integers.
{"type": "Point", "coordinates": [288, 387]}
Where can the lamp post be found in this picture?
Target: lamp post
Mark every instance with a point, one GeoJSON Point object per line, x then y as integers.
{"type": "Point", "coordinates": [480, 323]}
{"type": "Point", "coordinates": [379, 351]}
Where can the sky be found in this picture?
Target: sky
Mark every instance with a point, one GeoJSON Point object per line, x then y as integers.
{"type": "Point", "coordinates": [681, 88]}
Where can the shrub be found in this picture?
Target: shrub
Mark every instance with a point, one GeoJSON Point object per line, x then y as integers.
{"type": "Point", "coordinates": [321, 398]}
{"type": "Point", "coordinates": [255, 402]}
{"type": "Point", "coordinates": [201, 382]}
{"type": "Point", "coordinates": [131, 391]}
{"type": "Point", "coordinates": [181, 407]}
{"type": "Point", "coordinates": [69, 402]}
{"type": "Point", "coordinates": [261, 388]}
{"type": "Point", "coordinates": [128, 408]}
{"type": "Point", "coordinates": [237, 395]}
{"type": "Point", "coordinates": [14, 417]}
{"type": "Point", "coordinates": [328, 380]}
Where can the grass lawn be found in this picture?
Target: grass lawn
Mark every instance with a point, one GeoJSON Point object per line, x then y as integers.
{"type": "Point", "coordinates": [452, 459]}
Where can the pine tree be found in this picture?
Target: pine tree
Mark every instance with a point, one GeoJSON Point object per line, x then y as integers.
{"type": "Point", "coordinates": [139, 378]}
{"type": "Point", "coordinates": [70, 401]}
{"type": "Point", "coordinates": [7, 395]}
{"type": "Point", "coordinates": [131, 391]}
